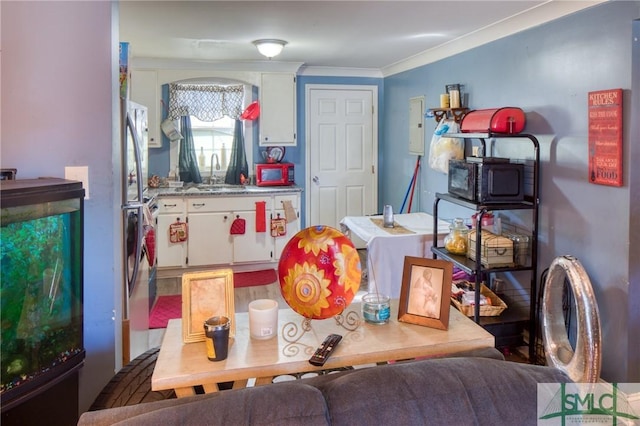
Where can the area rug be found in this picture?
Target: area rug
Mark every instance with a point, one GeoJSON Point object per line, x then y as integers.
{"type": "Point", "coordinates": [170, 307]}
{"type": "Point", "coordinates": [165, 308]}
{"type": "Point", "coordinates": [249, 279]}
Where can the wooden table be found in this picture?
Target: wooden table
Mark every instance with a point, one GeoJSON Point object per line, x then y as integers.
{"type": "Point", "coordinates": [182, 366]}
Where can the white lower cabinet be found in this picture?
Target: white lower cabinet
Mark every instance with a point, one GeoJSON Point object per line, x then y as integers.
{"type": "Point", "coordinates": [252, 246]}
{"type": "Point", "coordinates": [209, 220]}
{"type": "Point", "coordinates": [168, 254]}
{"type": "Point", "coordinates": [209, 239]}
{"type": "Point", "coordinates": [292, 227]}
{"type": "Point", "coordinates": [211, 242]}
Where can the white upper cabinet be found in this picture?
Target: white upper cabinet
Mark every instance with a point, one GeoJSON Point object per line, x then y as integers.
{"type": "Point", "coordinates": [278, 109]}
{"type": "Point", "coordinates": [145, 91]}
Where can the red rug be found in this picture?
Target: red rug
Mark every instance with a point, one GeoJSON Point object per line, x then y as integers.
{"type": "Point", "coordinates": [165, 308]}
{"type": "Point", "coordinates": [170, 307]}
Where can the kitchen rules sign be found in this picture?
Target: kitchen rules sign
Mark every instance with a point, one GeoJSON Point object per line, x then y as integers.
{"type": "Point", "coordinates": [605, 137]}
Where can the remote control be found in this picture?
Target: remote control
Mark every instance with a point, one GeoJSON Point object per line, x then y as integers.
{"type": "Point", "coordinates": [324, 351]}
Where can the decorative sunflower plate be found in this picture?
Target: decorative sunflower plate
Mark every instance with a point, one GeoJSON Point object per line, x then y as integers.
{"type": "Point", "coordinates": [319, 272]}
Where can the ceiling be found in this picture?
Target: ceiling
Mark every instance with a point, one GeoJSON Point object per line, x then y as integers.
{"type": "Point", "coordinates": [378, 35]}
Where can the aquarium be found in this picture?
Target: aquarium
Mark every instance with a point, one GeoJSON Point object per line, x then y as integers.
{"type": "Point", "coordinates": [41, 285]}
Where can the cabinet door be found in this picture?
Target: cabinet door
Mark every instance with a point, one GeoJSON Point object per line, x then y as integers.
{"type": "Point", "coordinates": [292, 227]}
{"type": "Point", "coordinates": [144, 90]}
{"type": "Point", "coordinates": [168, 254]}
{"type": "Point", "coordinates": [209, 241]}
{"type": "Point", "coordinates": [251, 246]}
{"type": "Point", "coordinates": [278, 109]}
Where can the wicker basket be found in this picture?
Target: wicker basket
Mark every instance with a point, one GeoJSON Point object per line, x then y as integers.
{"type": "Point", "coordinates": [496, 308]}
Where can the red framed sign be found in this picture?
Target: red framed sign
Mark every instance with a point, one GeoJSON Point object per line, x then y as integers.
{"type": "Point", "coordinates": [605, 137]}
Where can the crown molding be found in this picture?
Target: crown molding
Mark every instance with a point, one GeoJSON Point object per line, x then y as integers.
{"type": "Point", "coordinates": [339, 72]}
{"type": "Point", "coordinates": [538, 15]}
{"type": "Point", "coordinates": [187, 64]}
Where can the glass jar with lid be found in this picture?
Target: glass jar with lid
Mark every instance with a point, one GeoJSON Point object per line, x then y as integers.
{"type": "Point", "coordinates": [456, 241]}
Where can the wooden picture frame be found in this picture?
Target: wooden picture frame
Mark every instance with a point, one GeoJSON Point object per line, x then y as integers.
{"type": "Point", "coordinates": [425, 293]}
{"type": "Point", "coordinates": [205, 295]}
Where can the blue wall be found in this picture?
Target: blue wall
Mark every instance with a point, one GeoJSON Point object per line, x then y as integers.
{"type": "Point", "coordinates": [547, 71]}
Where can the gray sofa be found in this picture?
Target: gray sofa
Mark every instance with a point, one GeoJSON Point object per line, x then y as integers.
{"type": "Point", "coordinates": [446, 391]}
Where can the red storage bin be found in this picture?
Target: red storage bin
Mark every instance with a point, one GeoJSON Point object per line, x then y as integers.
{"type": "Point", "coordinates": [508, 120]}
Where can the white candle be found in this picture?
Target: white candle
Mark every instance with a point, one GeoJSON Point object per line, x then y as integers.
{"type": "Point", "coordinates": [263, 319]}
{"type": "Point", "coordinates": [454, 98]}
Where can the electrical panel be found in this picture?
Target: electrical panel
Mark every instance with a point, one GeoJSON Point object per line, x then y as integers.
{"type": "Point", "coordinates": [416, 125]}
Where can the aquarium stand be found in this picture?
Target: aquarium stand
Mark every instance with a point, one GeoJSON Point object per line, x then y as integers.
{"type": "Point", "coordinates": [56, 401]}
{"type": "Point", "coordinates": [42, 306]}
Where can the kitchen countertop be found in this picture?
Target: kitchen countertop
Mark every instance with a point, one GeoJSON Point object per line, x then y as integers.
{"type": "Point", "coordinates": [220, 190]}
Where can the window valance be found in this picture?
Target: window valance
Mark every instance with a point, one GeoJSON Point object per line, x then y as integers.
{"type": "Point", "coordinates": [207, 102]}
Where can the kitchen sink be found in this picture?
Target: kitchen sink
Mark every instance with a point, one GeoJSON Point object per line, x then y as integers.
{"type": "Point", "coordinates": [215, 186]}
{"type": "Point", "coordinates": [212, 188]}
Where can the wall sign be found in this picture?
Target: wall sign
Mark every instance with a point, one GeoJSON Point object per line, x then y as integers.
{"type": "Point", "coordinates": [605, 137]}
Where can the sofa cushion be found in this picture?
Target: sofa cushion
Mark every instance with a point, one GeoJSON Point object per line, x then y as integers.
{"type": "Point", "coordinates": [474, 391]}
{"type": "Point", "coordinates": [289, 403]}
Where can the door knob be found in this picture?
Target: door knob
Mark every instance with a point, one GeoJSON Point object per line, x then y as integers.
{"type": "Point", "coordinates": [316, 180]}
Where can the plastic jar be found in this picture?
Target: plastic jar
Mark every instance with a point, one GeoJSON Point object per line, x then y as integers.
{"type": "Point", "coordinates": [487, 219]}
{"type": "Point", "coordinates": [456, 241]}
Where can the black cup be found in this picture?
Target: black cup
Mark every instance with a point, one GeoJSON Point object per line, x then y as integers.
{"type": "Point", "coordinates": [217, 331]}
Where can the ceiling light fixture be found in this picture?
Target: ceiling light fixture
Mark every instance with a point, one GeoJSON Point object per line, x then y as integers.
{"type": "Point", "coordinates": [270, 47]}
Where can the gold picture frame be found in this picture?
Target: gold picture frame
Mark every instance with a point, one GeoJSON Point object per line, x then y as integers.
{"type": "Point", "coordinates": [204, 295]}
{"type": "Point", "coordinates": [425, 292]}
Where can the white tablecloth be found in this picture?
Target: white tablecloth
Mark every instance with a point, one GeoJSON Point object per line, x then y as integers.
{"type": "Point", "coordinates": [386, 252]}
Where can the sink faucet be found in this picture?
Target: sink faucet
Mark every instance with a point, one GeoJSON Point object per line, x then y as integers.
{"type": "Point", "coordinates": [211, 178]}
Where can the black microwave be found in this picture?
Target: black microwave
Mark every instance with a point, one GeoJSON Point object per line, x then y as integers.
{"type": "Point", "coordinates": [486, 179]}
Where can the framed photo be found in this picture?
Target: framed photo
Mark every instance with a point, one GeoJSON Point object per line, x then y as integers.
{"type": "Point", "coordinates": [425, 292]}
{"type": "Point", "coordinates": [205, 295]}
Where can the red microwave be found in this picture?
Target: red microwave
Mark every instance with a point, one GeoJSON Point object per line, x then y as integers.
{"type": "Point", "coordinates": [274, 174]}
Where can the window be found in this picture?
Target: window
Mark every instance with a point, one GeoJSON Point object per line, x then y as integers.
{"type": "Point", "coordinates": [213, 141]}
{"type": "Point", "coordinates": [208, 136]}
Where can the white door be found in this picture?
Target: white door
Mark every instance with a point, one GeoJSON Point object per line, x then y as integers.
{"type": "Point", "coordinates": [342, 155]}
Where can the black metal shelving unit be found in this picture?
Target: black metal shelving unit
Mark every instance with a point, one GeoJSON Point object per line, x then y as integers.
{"type": "Point", "coordinates": [509, 324]}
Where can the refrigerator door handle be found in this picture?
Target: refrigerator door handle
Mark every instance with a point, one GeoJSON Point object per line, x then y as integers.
{"type": "Point", "coordinates": [131, 280]}
{"type": "Point", "coordinates": [138, 155]}
{"type": "Point", "coordinates": [132, 206]}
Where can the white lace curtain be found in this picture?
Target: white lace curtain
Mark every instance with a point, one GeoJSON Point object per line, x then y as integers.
{"type": "Point", "coordinates": [207, 102]}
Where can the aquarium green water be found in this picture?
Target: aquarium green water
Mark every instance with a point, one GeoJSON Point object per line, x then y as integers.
{"type": "Point", "coordinates": [40, 289]}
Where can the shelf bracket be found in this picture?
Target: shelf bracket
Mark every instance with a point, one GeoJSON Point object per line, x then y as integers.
{"type": "Point", "coordinates": [456, 113]}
